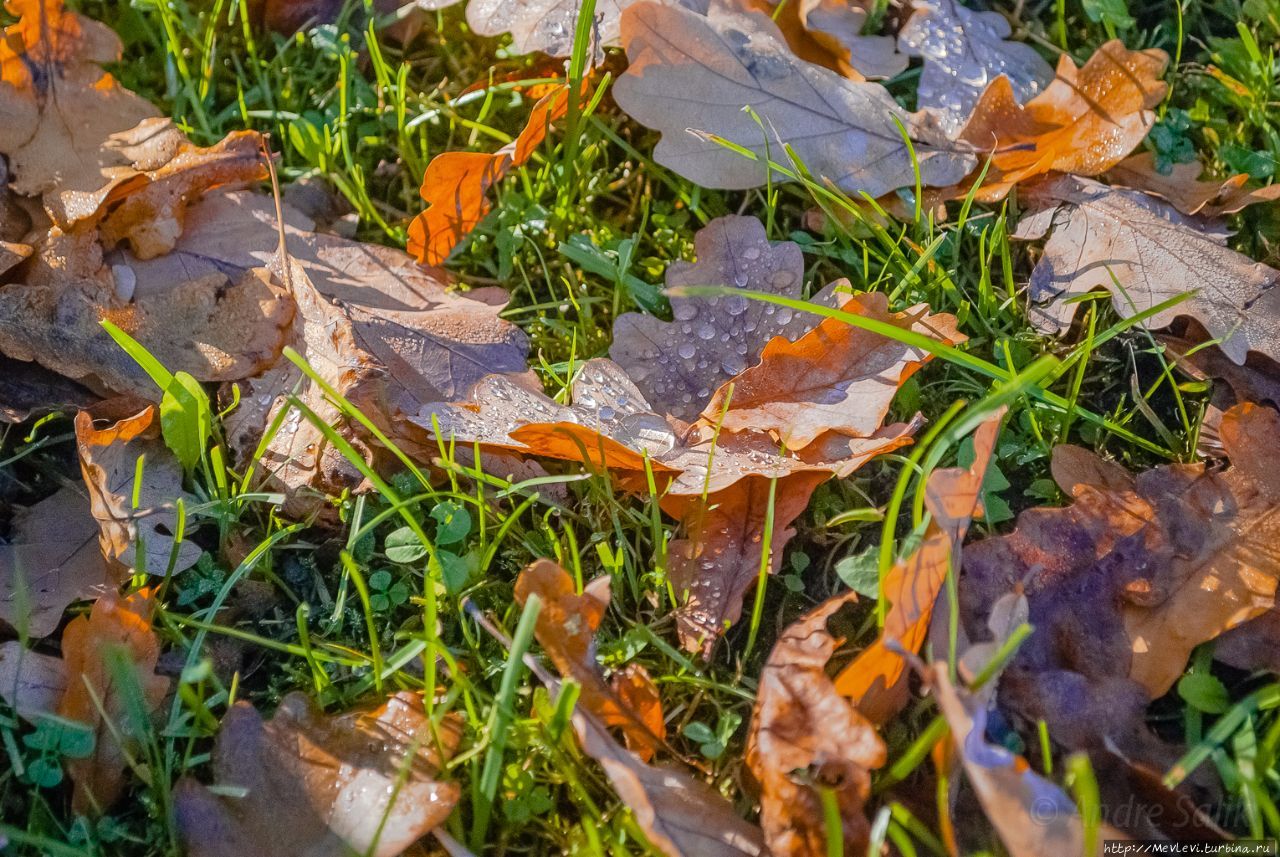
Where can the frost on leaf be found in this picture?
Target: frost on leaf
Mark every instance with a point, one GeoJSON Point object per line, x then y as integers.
{"type": "Point", "coordinates": [1084, 122]}
{"type": "Point", "coordinates": [364, 782]}
{"type": "Point", "coordinates": [680, 363]}
{"type": "Point", "coordinates": [695, 67]}
{"type": "Point", "coordinates": [1129, 579]}
{"type": "Point", "coordinates": [805, 736]}
{"type": "Point", "coordinates": [963, 52]}
{"type": "Point", "coordinates": [134, 482]}
{"type": "Point", "coordinates": [1154, 254]}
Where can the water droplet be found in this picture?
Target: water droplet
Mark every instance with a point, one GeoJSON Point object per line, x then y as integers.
{"type": "Point", "coordinates": [686, 350]}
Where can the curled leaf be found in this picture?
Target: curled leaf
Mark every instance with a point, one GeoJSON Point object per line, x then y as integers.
{"type": "Point", "coordinates": [323, 785]}
{"type": "Point", "coordinates": [806, 737]}
{"type": "Point", "coordinates": [829, 33]}
{"type": "Point", "coordinates": [1182, 188]}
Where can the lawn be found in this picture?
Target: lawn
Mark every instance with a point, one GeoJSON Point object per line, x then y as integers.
{"type": "Point", "coordinates": [540, 618]}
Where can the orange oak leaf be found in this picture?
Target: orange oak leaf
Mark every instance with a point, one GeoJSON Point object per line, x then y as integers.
{"type": "Point", "coordinates": [1085, 121]}
{"type": "Point", "coordinates": [1184, 190]}
{"type": "Point", "coordinates": [875, 679]}
{"type": "Point", "coordinates": [1139, 570]}
{"type": "Point", "coordinates": [836, 378]}
{"type": "Point", "coordinates": [566, 628]}
{"type": "Point", "coordinates": [363, 782]}
{"type": "Point", "coordinates": [134, 483]}
{"type": "Point", "coordinates": [456, 184]}
{"type": "Point", "coordinates": [110, 658]}
{"type": "Point", "coordinates": [805, 737]}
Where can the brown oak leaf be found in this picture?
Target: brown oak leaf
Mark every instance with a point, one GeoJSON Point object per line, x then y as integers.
{"type": "Point", "coordinates": [362, 782]}
{"type": "Point", "coordinates": [114, 640]}
{"type": "Point", "coordinates": [695, 65]}
{"type": "Point", "coordinates": [1182, 187]}
{"type": "Point", "coordinates": [456, 184]}
{"type": "Point", "coordinates": [1084, 122]}
{"type": "Point", "coordinates": [1154, 254]}
{"type": "Point", "coordinates": [32, 683]}
{"type": "Point", "coordinates": [829, 33]}
{"type": "Point", "coordinates": [566, 628]}
{"type": "Point", "coordinates": [134, 485]}
{"type": "Point", "coordinates": [806, 736]}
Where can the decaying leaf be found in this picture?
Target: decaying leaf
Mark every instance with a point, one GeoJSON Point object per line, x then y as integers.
{"type": "Point", "coordinates": [53, 559]}
{"type": "Point", "coordinates": [1140, 570]}
{"type": "Point", "coordinates": [134, 484]}
{"type": "Point", "coordinates": [32, 683]}
{"type": "Point", "coordinates": [1084, 122]}
{"type": "Point", "coordinates": [679, 364]}
{"type": "Point", "coordinates": [456, 184]}
{"type": "Point", "coordinates": [805, 736]}
{"type": "Point", "coordinates": [829, 33]}
{"type": "Point", "coordinates": [1154, 254]}
{"type": "Point", "coordinates": [832, 379]}
{"type": "Point", "coordinates": [60, 107]}
{"type": "Point", "coordinates": [696, 64]}
{"type": "Point", "coordinates": [104, 653]}
{"type": "Point", "coordinates": [1032, 815]}
{"type": "Point", "coordinates": [964, 51]}
{"type": "Point", "coordinates": [875, 679]}
{"type": "Point", "coordinates": [212, 329]}
{"type": "Point", "coordinates": [28, 389]}
{"type": "Point", "coordinates": [566, 629]}
{"type": "Point", "coordinates": [1184, 190]}
{"type": "Point", "coordinates": [363, 782]}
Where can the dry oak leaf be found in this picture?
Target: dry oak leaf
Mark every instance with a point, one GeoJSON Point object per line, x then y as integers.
{"type": "Point", "coordinates": [456, 184]}
{"type": "Point", "coordinates": [364, 782]}
{"type": "Point", "coordinates": [60, 107]}
{"type": "Point", "coordinates": [31, 683]}
{"type": "Point", "coordinates": [678, 364]}
{"type": "Point", "coordinates": [835, 378]}
{"type": "Point", "coordinates": [1032, 815]}
{"type": "Point", "coordinates": [566, 629]}
{"type": "Point", "coordinates": [213, 329]}
{"type": "Point", "coordinates": [875, 679]}
{"type": "Point", "coordinates": [681, 815]}
{"type": "Point", "coordinates": [696, 64]}
{"type": "Point", "coordinates": [1154, 254]}
{"type": "Point", "coordinates": [829, 33]}
{"type": "Point", "coordinates": [545, 26]}
{"type": "Point", "coordinates": [1084, 122]}
{"type": "Point", "coordinates": [1184, 190]}
{"type": "Point", "coordinates": [805, 736]}
{"type": "Point", "coordinates": [53, 559]}
{"type": "Point", "coordinates": [1140, 570]}
{"type": "Point", "coordinates": [134, 483]}
{"type": "Point", "coordinates": [114, 640]}
{"type": "Point", "coordinates": [964, 51]}
{"type": "Point", "coordinates": [29, 389]}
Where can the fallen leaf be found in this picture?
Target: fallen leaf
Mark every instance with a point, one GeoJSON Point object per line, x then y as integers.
{"type": "Point", "coordinates": [60, 107]}
{"type": "Point", "coordinates": [1084, 122]}
{"type": "Point", "coordinates": [1154, 254]}
{"type": "Point", "coordinates": [212, 329]}
{"type": "Point", "coordinates": [100, 650]}
{"type": "Point", "coordinates": [134, 484]}
{"type": "Point", "coordinates": [835, 378]}
{"type": "Point", "coordinates": [53, 559]}
{"type": "Point", "coordinates": [829, 33]}
{"type": "Point", "coordinates": [566, 629]}
{"type": "Point", "coordinates": [964, 51]}
{"type": "Point", "coordinates": [1032, 815]}
{"type": "Point", "coordinates": [322, 785]}
{"type": "Point", "coordinates": [31, 683]}
{"type": "Point", "coordinates": [678, 364]}
{"type": "Point", "coordinates": [456, 184]}
{"type": "Point", "coordinates": [696, 66]}
{"type": "Point", "coordinates": [874, 680]}
{"type": "Point", "coordinates": [12, 255]}
{"type": "Point", "coordinates": [805, 736]}
{"type": "Point", "coordinates": [545, 26]}
{"type": "Point", "coordinates": [1140, 570]}
{"type": "Point", "coordinates": [28, 389]}
{"type": "Point", "coordinates": [1182, 188]}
